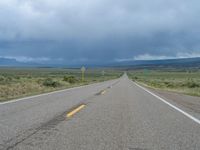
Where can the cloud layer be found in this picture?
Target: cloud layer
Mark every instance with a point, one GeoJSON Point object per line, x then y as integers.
{"type": "Point", "coordinates": [98, 30]}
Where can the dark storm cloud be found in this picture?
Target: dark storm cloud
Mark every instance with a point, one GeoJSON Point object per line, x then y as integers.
{"type": "Point", "coordinates": [72, 31]}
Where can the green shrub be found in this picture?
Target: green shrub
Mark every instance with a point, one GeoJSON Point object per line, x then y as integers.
{"type": "Point", "coordinates": [40, 81]}
{"type": "Point", "coordinates": [135, 78]}
{"type": "Point", "coordinates": [17, 77]}
{"type": "Point", "coordinates": [51, 83]}
{"type": "Point", "coordinates": [192, 84]}
{"type": "Point", "coordinates": [70, 79]}
{"type": "Point", "coordinates": [8, 78]}
{"type": "Point", "coordinates": [2, 78]}
{"type": "Point", "coordinates": [169, 84]}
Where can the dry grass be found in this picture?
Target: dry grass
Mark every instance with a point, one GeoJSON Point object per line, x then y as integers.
{"type": "Point", "coordinates": [182, 81]}
{"type": "Point", "coordinates": [21, 82]}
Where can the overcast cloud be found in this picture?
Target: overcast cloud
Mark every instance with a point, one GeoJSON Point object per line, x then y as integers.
{"type": "Point", "coordinates": [91, 31]}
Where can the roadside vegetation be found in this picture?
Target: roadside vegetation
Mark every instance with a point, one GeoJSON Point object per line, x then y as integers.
{"type": "Point", "coordinates": [21, 82]}
{"type": "Point", "coordinates": [182, 81]}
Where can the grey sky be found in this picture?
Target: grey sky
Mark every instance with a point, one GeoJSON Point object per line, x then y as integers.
{"type": "Point", "coordinates": [77, 31]}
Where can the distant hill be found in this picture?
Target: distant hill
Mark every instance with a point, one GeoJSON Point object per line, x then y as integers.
{"type": "Point", "coordinates": [173, 63]}
{"type": "Point", "coordinates": [9, 62]}
{"type": "Point", "coordinates": [168, 63]}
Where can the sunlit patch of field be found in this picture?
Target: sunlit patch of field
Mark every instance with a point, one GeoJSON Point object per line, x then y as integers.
{"type": "Point", "coordinates": [187, 82]}
{"type": "Point", "coordinates": [21, 82]}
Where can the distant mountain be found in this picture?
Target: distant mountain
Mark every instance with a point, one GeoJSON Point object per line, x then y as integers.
{"type": "Point", "coordinates": [184, 62]}
{"type": "Point", "coordinates": [8, 62]}
{"type": "Point", "coordinates": [168, 63]}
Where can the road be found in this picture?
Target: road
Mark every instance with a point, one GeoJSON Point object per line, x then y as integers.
{"type": "Point", "coordinates": [112, 115]}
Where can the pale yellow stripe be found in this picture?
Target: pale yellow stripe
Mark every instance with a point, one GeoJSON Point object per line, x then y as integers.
{"type": "Point", "coordinates": [103, 92]}
{"type": "Point", "coordinates": [70, 114]}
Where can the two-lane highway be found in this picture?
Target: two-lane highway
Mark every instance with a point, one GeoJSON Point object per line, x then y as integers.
{"type": "Point", "coordinates": [21, 118]}
{"type": "Point", "coordinates": [112, 115]}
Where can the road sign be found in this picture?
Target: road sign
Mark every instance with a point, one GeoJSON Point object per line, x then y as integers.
{"type": "Point", "coordinates": [83, 69]}
{"type": "Point", "coordinates": [83, 73]}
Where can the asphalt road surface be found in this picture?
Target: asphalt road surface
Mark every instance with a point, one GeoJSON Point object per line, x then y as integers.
{"type": "Point", "coordinates": [112, 115]}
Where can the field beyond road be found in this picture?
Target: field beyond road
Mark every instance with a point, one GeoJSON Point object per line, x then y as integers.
{"type": "Point", "coordinates": [22, 82]}
{"type": "Point", "coordinates": [181, 81]}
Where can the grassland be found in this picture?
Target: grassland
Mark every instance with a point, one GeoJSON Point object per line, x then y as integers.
{"type": "Point", "coordinates": [182, 81]}
{"type": "Point", "coordinates": [21, 82]}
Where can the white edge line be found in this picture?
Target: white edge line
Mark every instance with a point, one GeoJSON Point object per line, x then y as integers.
{"type": "Point", "coordinates": [44, 94]}
{"type": "Point", "coordinates": [176, 108]}
{"type": "Point", "coordinates": [49, 93]}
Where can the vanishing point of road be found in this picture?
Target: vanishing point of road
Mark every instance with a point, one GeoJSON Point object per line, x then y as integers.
{"type": "Point", "coordinates": [112, 115]}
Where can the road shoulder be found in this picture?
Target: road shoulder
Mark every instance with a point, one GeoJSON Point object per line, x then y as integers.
{"type": "Point", "coordinates": [187, 103]}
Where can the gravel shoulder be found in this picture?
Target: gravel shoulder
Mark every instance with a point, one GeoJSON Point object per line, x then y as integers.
{"type": "Point", "coordinates": [186, 102]}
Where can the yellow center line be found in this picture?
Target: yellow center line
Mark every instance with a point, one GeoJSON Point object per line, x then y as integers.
{"type": "Point", "coordinates": [70, 114]}
{"type": "Point", "coordinates": [103, 92]}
